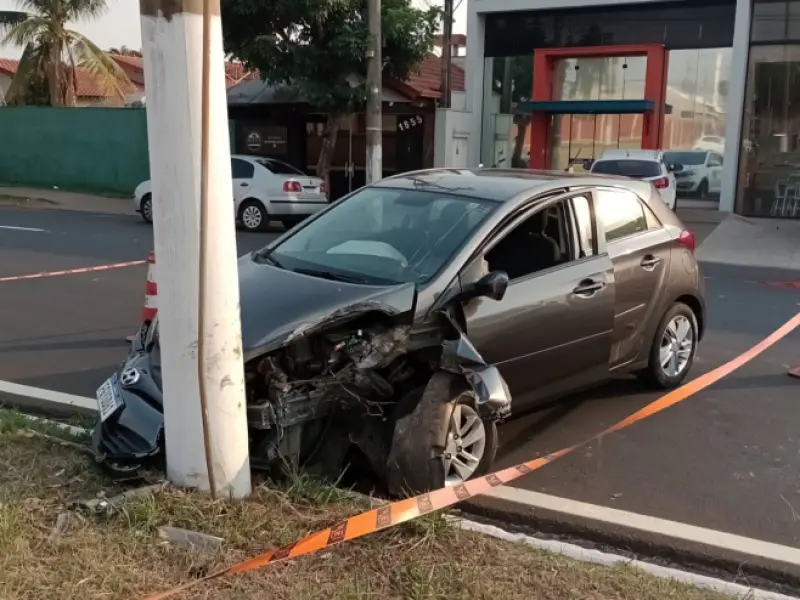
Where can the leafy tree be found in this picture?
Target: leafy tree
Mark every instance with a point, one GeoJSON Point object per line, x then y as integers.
{"type": "Point", "coordinates": [52, 52]}
{"type": "Point", "coordinates": [318, 48]}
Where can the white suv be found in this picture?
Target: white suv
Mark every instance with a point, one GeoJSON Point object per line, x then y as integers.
{"type": "Point", "coordinates": [648, 165]}
{"type": "Point", "coordinates": [264, 189]}
{"type": "Point", "coordinates": [701, 175]}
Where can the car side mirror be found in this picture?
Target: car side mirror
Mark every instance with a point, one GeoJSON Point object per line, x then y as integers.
{"type": "Point", "coordinates": [493, 286]}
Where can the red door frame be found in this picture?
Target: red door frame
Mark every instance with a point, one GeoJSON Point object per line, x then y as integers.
{"type": "Point", "coordinates": [655, 90]}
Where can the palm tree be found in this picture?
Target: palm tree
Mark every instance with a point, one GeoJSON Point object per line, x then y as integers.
{"type": "Point", "coordinates": [53, 53]}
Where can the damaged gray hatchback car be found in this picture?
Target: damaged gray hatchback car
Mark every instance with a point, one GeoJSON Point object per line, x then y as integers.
{"type": "Point", "coordinates": [366, 327]}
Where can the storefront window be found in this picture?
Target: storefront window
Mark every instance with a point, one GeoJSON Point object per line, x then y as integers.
{"type": "Point", "coordinates": [606, 78]}
{"type": "Point", "coordinates": [769, 166]}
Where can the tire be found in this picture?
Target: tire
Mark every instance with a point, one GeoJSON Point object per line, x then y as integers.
{"type": "Point", "coordinates": [702, 190]}
{"type": "Point", "coordinates": [253, 216]}
{"type": "Point", "coordinates": [146, 208]}
{"type": "Point", "coordinates": [665, 378]}
{"type": "Point", "coordinates": [424, 438]}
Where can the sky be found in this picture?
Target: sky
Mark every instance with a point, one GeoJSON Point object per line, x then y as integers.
{"type": "Point", "coordinates": [120, 26]}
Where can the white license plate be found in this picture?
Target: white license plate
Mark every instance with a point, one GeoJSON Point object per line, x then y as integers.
{"type": "Point", "coordinates": [108, 398]}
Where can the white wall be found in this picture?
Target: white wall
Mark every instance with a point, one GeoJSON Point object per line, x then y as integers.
{"type": "Point", "coordinates": [451, 138]}
{"type": "Point", "coordinates": [735, 105]}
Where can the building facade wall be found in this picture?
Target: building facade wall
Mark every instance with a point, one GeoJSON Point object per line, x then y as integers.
{"type": "Point", "coordinates": [478, 97]}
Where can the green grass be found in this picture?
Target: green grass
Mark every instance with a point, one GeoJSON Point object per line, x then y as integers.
{"type": "Point", "coordinates": [118, 554]}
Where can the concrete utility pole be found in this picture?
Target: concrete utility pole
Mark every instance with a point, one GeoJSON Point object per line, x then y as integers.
{"type": "Point", "coordinates": [374, 94]}
{"type": "Point", "coordinates": [447, 55]}
{"type": "Point", "coordinates": [195, 242]}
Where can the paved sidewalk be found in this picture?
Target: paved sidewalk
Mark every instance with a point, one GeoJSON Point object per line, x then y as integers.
{"type": "Point", "coordinates": [19, 197]}
{"type": "Point", "coordinates": [748, 242]}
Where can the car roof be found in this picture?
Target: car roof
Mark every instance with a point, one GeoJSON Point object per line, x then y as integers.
{"type": "Point", "coordinates": [654, 155]}
{"type": "Point", "coordinates": [502, 185]}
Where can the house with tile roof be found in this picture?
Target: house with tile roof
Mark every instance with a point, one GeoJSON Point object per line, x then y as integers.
{"type": "Point", "coordinates": [90, 92]}
{"type": "Point", "coordinates": [133, 66]}
{"type": "Point", "coordinates": [264, 111]}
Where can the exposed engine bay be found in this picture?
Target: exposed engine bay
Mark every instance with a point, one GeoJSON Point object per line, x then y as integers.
{"type": "Point", "coordinates": [322, 395]}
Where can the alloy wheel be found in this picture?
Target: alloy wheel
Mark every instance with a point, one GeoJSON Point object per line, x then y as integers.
{"type": "Point", "coordinates": [147, 210]}
{"type": "Point", "coordinates": [252, 217]}
{"type": "Point", "coordinates": [466, 445]}
{"type": "Point", "coordinates": [677, 345]}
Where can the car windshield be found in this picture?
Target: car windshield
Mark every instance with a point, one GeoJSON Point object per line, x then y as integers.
{"type": "Point", "coordinates": [382, 236]}
{"type": "Point", "coordinates": [637, 169]}
{"type": "Point", "coordinates": [279, 168]}
{"type": "Point", "coordinates": [685, 158]}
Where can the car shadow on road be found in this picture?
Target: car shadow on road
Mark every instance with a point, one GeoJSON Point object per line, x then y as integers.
{"type": "Point", "coordinates": [570, 419]}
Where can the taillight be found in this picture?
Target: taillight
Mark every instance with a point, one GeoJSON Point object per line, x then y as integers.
{"type": "Point", "coordinates": [292, 187]}
{"type": "Point", "coordinates": [323, 188]}
{"type": "Point", "coordinates": [661, 183]}
{"type": "Point", "coordinates": [687, 240]}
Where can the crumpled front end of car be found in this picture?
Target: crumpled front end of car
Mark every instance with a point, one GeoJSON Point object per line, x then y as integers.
{"type": "Point", "coordinates": [341, 379]}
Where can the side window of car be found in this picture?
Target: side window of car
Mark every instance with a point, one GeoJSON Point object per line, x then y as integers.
{"type": "Point", "coordinates": [714, 160]}
{"type": "Point", "coordinates": [621, 213]}
{"type": "Point", "coordinates": [241, 169]}
{"type": "Point", "coordinates": [540, 242]}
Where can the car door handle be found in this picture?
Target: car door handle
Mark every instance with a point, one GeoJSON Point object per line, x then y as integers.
{"type": "Point", "coordinates": [588, 288]}
{"type": "Point", "coordinates": [244, 184]}
{"type": "Point", "coordinates": [650, 262]}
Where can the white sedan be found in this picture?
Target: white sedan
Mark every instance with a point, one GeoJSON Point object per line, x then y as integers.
{"type": "Point", "coordinates": [264, 190]}
{"type": "Point", "coordinates": [648, 165]}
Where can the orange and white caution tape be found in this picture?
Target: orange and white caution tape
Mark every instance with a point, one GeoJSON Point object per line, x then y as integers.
{"type": "Point", "coordinates": [402, 511]}
{"type": "Point", "coordinates": [133, 263]}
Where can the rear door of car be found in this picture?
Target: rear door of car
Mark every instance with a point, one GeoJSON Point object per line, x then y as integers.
{"type": "Point", "coordinates": [640, 250]}
{"type": "Point", "coordinates": [242, 172]}
{"type": "Point", "coordinates": [551, 333]}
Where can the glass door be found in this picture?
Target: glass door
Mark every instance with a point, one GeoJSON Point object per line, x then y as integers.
{"type": "Point", "coordinates": [769, 165]}
{"type": "Point", "coordinates": [577, 140]}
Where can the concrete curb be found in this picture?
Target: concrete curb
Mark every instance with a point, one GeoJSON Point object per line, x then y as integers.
{"type": "Point", "coordinates": [602, 558]}
{"type": "Point", "coordinates": [45, 402]}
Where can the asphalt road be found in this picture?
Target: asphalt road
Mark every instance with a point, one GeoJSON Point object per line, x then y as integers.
{"type": "Point", "coordinates": [727, 458]}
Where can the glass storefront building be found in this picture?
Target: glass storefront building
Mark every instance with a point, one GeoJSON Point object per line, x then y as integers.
{"type": "Point", "coordinates": [715, 83]}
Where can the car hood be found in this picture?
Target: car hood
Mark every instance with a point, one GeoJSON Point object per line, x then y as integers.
{"type": "Point", "coordinates": [278, 306]}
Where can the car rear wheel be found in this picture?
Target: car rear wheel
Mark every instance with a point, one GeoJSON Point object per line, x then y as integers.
{"type": "Point", "coordinates": [146, 208]}
{"type": "Point", "coordinates": [673, 349]}
{"type": "Point", "coordinates": [443, 442]}
{"type": "Point", "coordinates": [253, 216]}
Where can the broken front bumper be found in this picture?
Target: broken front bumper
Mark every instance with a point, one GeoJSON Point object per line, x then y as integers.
{"type": "Point", "coordinates": [135, 432]}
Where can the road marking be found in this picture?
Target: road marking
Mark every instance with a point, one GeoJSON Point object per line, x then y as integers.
{"type": "Point", "coordinates": [33, 229]}
{"type": "Point", "coordinates": [42, 275]}
{"type": "Point", "coordinates": [16, 389]}
{"type": "Point", "coordinates": [645, 523]}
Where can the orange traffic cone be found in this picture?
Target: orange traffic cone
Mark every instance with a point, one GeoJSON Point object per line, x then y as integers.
{"type": "Point", "coordinates": [795, 372]}
{"type": "Point", "coordinates": [150, 308]}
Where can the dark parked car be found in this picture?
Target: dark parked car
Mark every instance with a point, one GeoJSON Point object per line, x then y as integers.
{"type": "Point", "coordinates": [402, 319]}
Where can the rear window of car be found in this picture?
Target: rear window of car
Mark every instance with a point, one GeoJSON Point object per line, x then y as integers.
{"type": "Point", "coordinates": [627, 168]}
{"type": "Point", "coordinates": [279, 168]}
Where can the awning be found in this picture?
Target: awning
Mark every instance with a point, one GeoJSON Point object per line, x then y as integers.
{"type": "Point", "coordinates": [586, 107]}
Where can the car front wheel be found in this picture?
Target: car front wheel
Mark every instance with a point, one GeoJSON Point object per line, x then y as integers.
{"type": "Point", "coordinates": [673, 349]}
{"type": "Point", "coordinates": [442, 442]}
{"type": "Point", "coordinates": [146, 208]}
{"type": "Point", "coordinates": [253, 215]}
